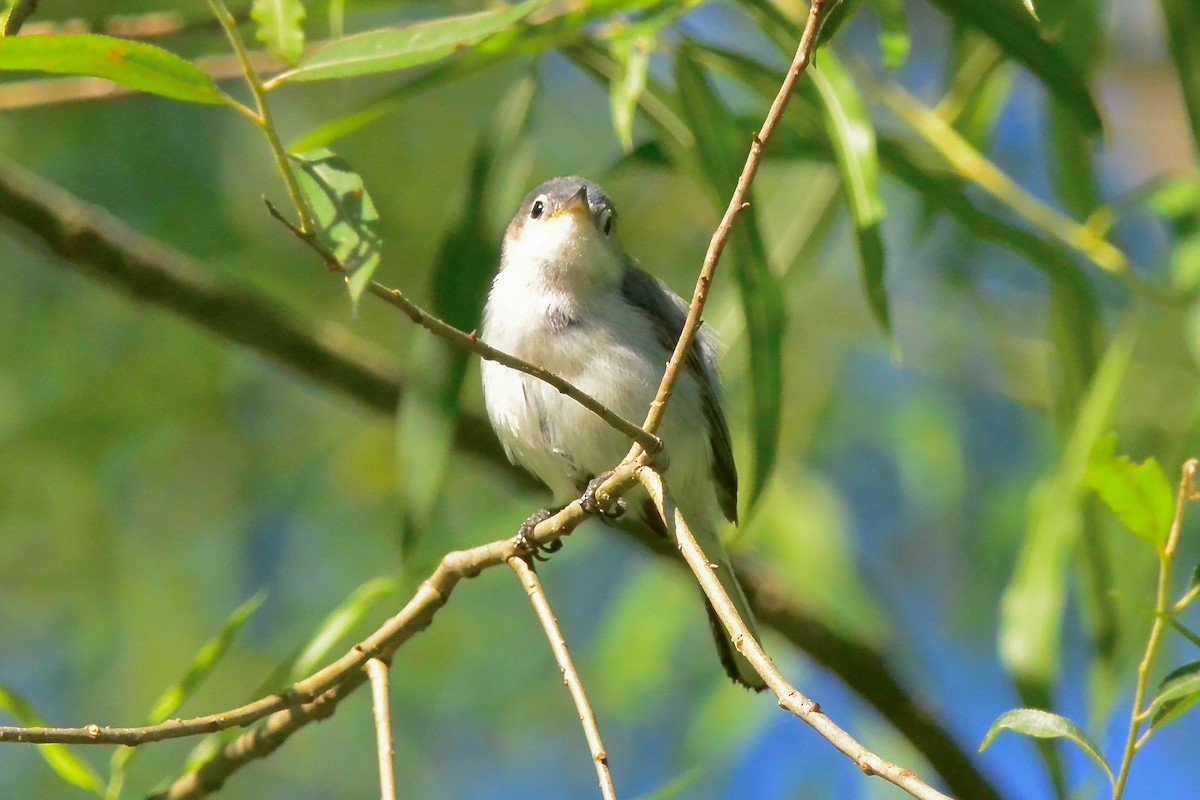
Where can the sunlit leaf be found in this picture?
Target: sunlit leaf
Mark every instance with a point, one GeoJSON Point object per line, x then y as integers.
{"type": "Point", "coordinates": [1013, 29]}
{"type": "Point", "coordinates": [137, 65]}
{"type": "Point", "coordinates": [389, 49]}
{"type": "Point", "coordinates": [1182, 21]}
{"type": "Point", "coordinates": [1046, 725]}
{"type": "Point", "coordinates": [279, 27]}
{"type": "Point", "coordinates": [853, 137]}
{"type": "Point", "coordinates": [347, 221]}
{"type": "Point", "coordinates": [721, 148]}
{"type": "Point", "coordinates": [1030, 8]}
{"type": "Point", "coordinates": [1032, 606]}
{"type": "Point", "coordinates": [205, 662]}
{"type": "Point", "coordinates": [340, 622]}
{"type": "Point", "coordinates": [1178, 692]}
{"type": "Point", "coordinates": [1138, 494]}
{"type": "Point", "coordinates": [632, 55]}
{"type": "Point", "coordinates": [61, 758]}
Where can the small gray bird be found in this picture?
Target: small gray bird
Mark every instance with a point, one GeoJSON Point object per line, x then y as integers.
{"type": "Point", "coordinates": [568, 298]}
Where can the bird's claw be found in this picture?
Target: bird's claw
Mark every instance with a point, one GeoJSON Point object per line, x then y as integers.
{"type": "Point", "coordinates": [526, 547]}
{"type": "Point", "coordinates": [591, 504]}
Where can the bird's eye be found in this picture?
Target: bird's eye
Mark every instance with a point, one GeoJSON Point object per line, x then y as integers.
{"type": "Point", "coordinates": [608, 221]}
{"type": "Point", "coordinates": [539, 208]}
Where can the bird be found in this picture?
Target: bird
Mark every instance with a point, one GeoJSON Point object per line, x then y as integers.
{"type": "Point", "coordinates": [567, 297]}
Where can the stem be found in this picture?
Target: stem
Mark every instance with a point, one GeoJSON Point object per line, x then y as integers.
{"type": "Point", "coordinates": [264, 119]}
{"type": "Point", "coordinates": [1166, 558]}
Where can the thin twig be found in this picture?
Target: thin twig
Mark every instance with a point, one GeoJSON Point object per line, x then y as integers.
{"type": "Point", "coordinates": [789, 696]}
{"type": "Point", "coordinates": [737, 203]}
{"type": "Point", "coordinates": [264, 120]}
{"type": "Point", "coordinates": [471, 342]}
{"type": "Point", "coordinates": [416, 615]}
{"type": "Point", "coordinates": [1166, 560]}
{"type": "Point", "coordinates": [377, 671]}
{"type": "Point", "coordinates": [541, 605]}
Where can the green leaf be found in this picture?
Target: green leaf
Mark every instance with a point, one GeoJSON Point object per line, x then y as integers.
{"type": "Point", "coordinates": [279, 27]}
{"type": "Point", "coordinates": [1032, 605]}
{"type": "Point", "coordinates": [1032, 11]}
{"type": "Point", "coordinates": [1013, 29]}
{"type": "Point", "coordinates": [681, 786]}
{"type": "Point", "coordinates": [134, 64]}
{"type": "Point", "coordinates": [345, 214]}
{"type": "Point", "coordinates": [1045, 725]}
{"type": "Point", "coordinates": [894, 41]}
{"type": "Point", "coordinates": [1177, 693]}
{"type": "Point", "coordinates": [853, 138]}
{"type": "Point", "coordinates": [390, 49]}
{"type": "Point", "coordinates": [632, 56]}
{"type": "Point", "coordinates": [1182, 21]}
{"type": "Point", "coordinates": [205, 662]}
{"type": "Point", "coordinates": [61, 758]}
{"type": "Point", "coordinates": [838, 16]}
{"type": "Point", "coordinates": [720, 147]}
{"type": "Point", "coordinates": [428, 414]}
{"type": "Point", "coordinates": [336, 626]}
{"type": "Point", "coordinates": [1138, 494]}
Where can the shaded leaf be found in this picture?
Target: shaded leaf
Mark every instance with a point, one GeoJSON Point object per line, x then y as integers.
{"type": "Point", "coordinates": [61, 758]}
{"type": "Point", "coordinates": [1178, 692]}
{"type": "Point", "coordinates": [205, 662]}
{"type": "Point", "coordinates": [720, 147]}
{"type": "Point", "coordinates": [1138, 494]}
{"type": "Point", "coordinates": [680, 786]}
{"type": "Point", "coordinates": [137, 65]}
{"type": "Point", "coordinates": [279, 27]}
{"type": "Point", "coordinates": [853, 138]}
{"type": "Point", "coordinates": [467, 258]}
{"type": "Point", "coordinates": [1013, 29]}
{"type": "Point", "coordinates": [894, 41]}
{"type": "Point", "coordinates": [632, 56]}
{"type": "Point", "coordinates": [1046, 725]}
{"type": "Point", "coordinates": [389, 49]}
{"type": "Point", "coordinates": [347, 221]}
{"type": "Point", "coordinates": [1032, 605]}
{"type": "Point", "coordinates": [1182, 19]}
{"type": "Point", "coordinates": [837, 16]}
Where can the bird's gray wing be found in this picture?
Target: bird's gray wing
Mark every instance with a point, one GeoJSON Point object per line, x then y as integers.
{"type": "Point", "coordinates": [667, 313]}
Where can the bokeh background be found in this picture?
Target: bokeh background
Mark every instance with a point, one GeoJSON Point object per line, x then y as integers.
{"type": "Point", "coordinates": [153, 476]}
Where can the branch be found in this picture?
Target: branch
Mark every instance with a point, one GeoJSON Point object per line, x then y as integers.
{"type": "Point", "coordinates": [790, 698]}
{"type": "Point", "coordinates": [737, 204]}
{"type": "Point", "coordinates": [96, 244]}
{"type": "Point", "coordinates": [377, 671]}
{"type": "Point", "coordinates": [472, 343]}
{"type": "Point", "coordinates": [541, 605]}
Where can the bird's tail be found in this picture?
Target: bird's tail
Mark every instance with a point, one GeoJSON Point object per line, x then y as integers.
{"type": "Point", "coordinates": [737, 667]}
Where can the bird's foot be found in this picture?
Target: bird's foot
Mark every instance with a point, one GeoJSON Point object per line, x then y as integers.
{"type": "Point", "coordinates": [526, 547]}
{"type": "Point", "coordinates": [591, 504]}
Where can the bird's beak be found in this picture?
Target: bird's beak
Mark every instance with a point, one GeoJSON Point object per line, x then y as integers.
{"type": "Point", "coordinates": [577, 206]}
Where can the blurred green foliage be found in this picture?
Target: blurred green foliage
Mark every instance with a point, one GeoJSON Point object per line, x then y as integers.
{"type": "Point", "coordinates": [152, 477]}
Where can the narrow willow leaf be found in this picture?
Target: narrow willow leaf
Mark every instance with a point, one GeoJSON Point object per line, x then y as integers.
{"type": "Point", "coordinates": [345, 214]}
{"type": "Point", "coordinates": [304, 660]}
{"type": "Point", "coordinates": [1178, 692]}
{"type": "Point", "coordinates": [632, 56]}
{"type": "Point", "coordinates": [681, 786]}
{"type": "Point", "coordinates": [853, 137]}
{"type": "Point", "coordinates": [390, 49]}
{"type": "Point", "coordinates": [279, 27]}
{"type": "Point", "coordinates": [1030, 8]}
{"type": "Point", "coordinates": [720, 147]}
{"type": "Point", "coordinates": [1032, 606]}
{"type": "Point", "coordinates": [205, 662]}
{"type": "Point", "coordinates": [61, 758]}
{"type": "Point", "coordinates": [894, 41]}
{"type": "Point", "coordinates": [1013, 30]}
{"type": "Point", "coordinates": [1046, 725]}
{"type": "Point", "coordinates": [428, 414]}
{"type": "Point", "coordinates": [137, 65]}
{"type": "Point", "coordinates": [838, 16]}
{"type": "Point", "coordinates": [1138, 494]}
{"type": "Point", "coordinates": [1182, 23]}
